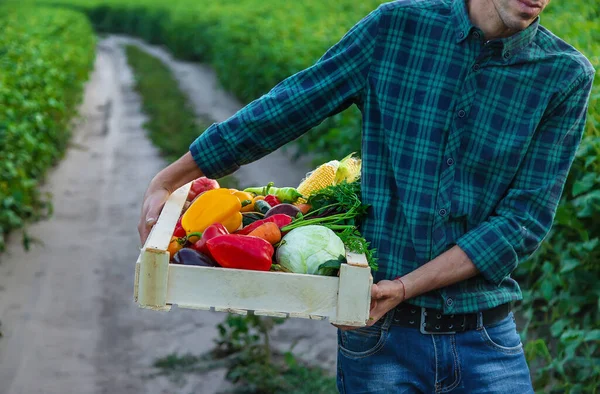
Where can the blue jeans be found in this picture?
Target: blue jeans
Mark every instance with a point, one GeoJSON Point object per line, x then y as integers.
{"type": "Point", "coordinates": [390, 359]}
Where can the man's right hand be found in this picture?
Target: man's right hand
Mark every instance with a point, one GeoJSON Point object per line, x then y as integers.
{"type": "Point", "coordinates": [152, 205]}
{"type": "Point", "coordinates": [168, 180]}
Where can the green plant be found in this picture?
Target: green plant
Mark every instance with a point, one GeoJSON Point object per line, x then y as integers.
{"type": "Point", "coordinates": [561, 290]}
{"type": "Point", "coordinates": [39, 92]}
{"type": "Point", "coordinates": [259, 369]}
{"type": "Point", "coordinates": [252, 365]}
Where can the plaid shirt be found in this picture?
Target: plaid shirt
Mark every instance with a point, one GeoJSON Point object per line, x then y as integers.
{"type": "Point", "coordinates": [465, 142]}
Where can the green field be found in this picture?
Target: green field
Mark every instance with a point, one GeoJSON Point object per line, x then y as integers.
{"type": "Point", "coordinates": [45, 57]}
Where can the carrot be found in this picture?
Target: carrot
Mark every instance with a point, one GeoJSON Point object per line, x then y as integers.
{"type": "Point", "coordinates": [268, 231]}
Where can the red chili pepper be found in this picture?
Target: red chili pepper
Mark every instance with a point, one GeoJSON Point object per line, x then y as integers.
{"type": "Point", "coordinates": [214, 230]}
{"type": "Point", "coordinates": [179, 231]}
{"type": "Point", "coordinates": [272, 200]}
{"type": "Point", "coordinates": [279, 219]}
{"type": "Point", "coordinates": [241, 252]}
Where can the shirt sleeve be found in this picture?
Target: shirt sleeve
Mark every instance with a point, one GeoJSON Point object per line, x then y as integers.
{"type": "Point", "coordinates": [524, 216]}
{"type": "Point", "coordinates": [292, 107]}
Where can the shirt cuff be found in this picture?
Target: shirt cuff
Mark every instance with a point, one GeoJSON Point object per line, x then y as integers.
{"type": "Point", "coordinates": [212, 154]}
{"type": "Point", "coordinates": [490, 252]}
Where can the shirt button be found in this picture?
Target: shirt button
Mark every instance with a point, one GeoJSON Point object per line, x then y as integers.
{"type": "Point", "coordinates": [450, 161]}
{"type": "Point", "coordinates": [506, 55]}
{"type": "Point", "coordinates": [442, 212]}
{"type": "Point", "coordinates": [476, 67]}
{"type": "Point", "coordinates": [476, 35]}
{"type": "Point", "coordinates": [449, 301]}
{"type": "Point", "coordinates": [461, 34]}
{"type": "Point", "coordinates": [461, 114]}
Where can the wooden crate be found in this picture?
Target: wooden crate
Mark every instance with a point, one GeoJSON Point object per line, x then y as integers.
{"type": "Point", "coordinates": [344, 300]}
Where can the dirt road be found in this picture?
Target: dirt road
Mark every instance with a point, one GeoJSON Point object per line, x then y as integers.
{"type": "Point", "coordinates": [69, 321]}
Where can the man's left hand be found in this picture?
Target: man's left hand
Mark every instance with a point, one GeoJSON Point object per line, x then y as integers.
{"type": "Point", "coordinates": [385, 296]}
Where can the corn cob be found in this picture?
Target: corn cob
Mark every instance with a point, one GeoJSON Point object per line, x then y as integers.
{"type": "Point", "coordinates": [320, 178]}
{"type": "Point", "coordinates": [348, 170]}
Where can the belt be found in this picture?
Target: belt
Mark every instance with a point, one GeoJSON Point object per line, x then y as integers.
{"type": "Point", "coordinates": [432, 321]}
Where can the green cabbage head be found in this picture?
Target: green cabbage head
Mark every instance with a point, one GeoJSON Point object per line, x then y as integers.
{"type": "Point", "coordinates": [305, 248]}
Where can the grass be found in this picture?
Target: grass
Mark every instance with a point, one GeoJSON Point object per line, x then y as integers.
{"type": "Point", "coordinates": [172, 123]}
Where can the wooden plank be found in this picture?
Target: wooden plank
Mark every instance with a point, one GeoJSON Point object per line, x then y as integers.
{"type": "Point", "coordinates": [200, 308]}
{"type": "Point", "coordinates": [152, 280]}
{"type": "Point", "coordinates": [161, 233]}
{"type": "Point", "coordinates": [270, 313]}
{"type": "Point", "coordinates": [136, 282]}
{"type": "Point", "coordinates": [354, 296]}
{"type": "Point", "coordinates": [252, 290]}
{"type": "Point", "coordinates": [232, 310]}
{"type": "Point", "coordinates": [356, 259]}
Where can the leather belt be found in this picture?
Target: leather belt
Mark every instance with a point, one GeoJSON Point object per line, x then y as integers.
{"type": "Point", "coordinates": [432, 321]}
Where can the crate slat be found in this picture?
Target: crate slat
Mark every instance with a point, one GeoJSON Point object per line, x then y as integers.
{"type": "Point", "coordinates": [252, 290]}
{"type": "Point", "coordinates": [161, 233]}
{"type": "Point", "coordinates": [354, 297]}
{"type": "Point", "coordinates": [232, 310]}
{"type": "Point", "coordinates": [270, 313]}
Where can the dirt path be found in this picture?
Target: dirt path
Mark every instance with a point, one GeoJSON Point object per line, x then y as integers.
{"type": "Point", "coordinates": [69, 321]}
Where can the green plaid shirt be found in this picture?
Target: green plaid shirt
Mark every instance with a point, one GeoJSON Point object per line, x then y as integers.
{"type": "Point", "coordinates": [465, 142]}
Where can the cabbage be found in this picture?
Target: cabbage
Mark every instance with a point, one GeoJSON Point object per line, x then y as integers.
{"type": "Point", "coordinates": [305, 248]}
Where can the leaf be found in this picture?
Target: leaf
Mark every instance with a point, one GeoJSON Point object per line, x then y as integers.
{"type": "Point", "coordinates": [335, 263]}
{"type": "Point", "coordinates": [537, 348]}
{"type": "Point", "coordinates": [547, 267]}
{"type": "Point", "coordinates": [569, 265]}
{"type": "Point", "coordinates": [590, 160]}
{"type": "Point", "coordinates": [584, 184]}
{"type": "Point", "coordinates": [558, 327]}
{"type": "Point", "coordinates": [570, 335]}
{"type": "Point", "coordinates": [593, 335]}
{"type": "Point", "coordinates": [591, 244]}
{"type": "Point", "coordinates": [547, 290]}
{"type": "Point", "coordinates": [587, 204]}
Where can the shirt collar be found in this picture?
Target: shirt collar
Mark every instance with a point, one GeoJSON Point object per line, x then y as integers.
{"type": "Point", "coordinates": [510, 45]}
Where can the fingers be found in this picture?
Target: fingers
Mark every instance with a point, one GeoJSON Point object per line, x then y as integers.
{"type": "Point", "coordinates": [376, 292]}
{"type": "Point", "coordinates": [145, 227]}
{"type": "Point", "coordinates": [151, 209]}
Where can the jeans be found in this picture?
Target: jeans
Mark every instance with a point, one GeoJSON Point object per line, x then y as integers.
{"type": "Point", "coordinates": [386, 358]}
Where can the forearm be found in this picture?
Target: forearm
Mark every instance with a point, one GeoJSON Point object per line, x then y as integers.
{"type": "Point", "coordinates": [448, 268]}
{"type": "Point", "coordinates": [177, 174]}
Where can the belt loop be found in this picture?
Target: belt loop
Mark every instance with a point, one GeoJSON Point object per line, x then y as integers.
{"type": "Point", "coordinates": [479, 320]}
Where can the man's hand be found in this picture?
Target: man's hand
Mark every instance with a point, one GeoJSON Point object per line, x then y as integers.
{"type": "Point", "coordinates": [385, 296]}
{"type": "Point", "coordinates": [164, 183]}
{"type": "Point", "coordinates": [152, 205]}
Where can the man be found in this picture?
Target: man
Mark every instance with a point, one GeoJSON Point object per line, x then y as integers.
{"type": "Point", "coordinates": [472, 114]}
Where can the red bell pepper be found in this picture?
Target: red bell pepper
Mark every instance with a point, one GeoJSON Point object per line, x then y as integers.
{"type": "Point", "coordinates": [214, 230]}
{"type": "Point", "coordinates": [179, 231]}
{"type": "Point", "coordinates": [272, 200]}
{"type": "Point", "coordinates": [279, 219]}
{"type": "Point", "coordinates": [241, 252]}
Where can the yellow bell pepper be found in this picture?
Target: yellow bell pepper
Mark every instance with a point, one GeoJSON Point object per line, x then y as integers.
{"type": "Point", "coordinates": [244, 196]}
{"type": "Point", "coordinates": [213, 206]}
{"type": "Point", "coordinates": [233, 223]}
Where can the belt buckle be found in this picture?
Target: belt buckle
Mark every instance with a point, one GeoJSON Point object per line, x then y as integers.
{"type": "Point", "coordinates": [423, 323]}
